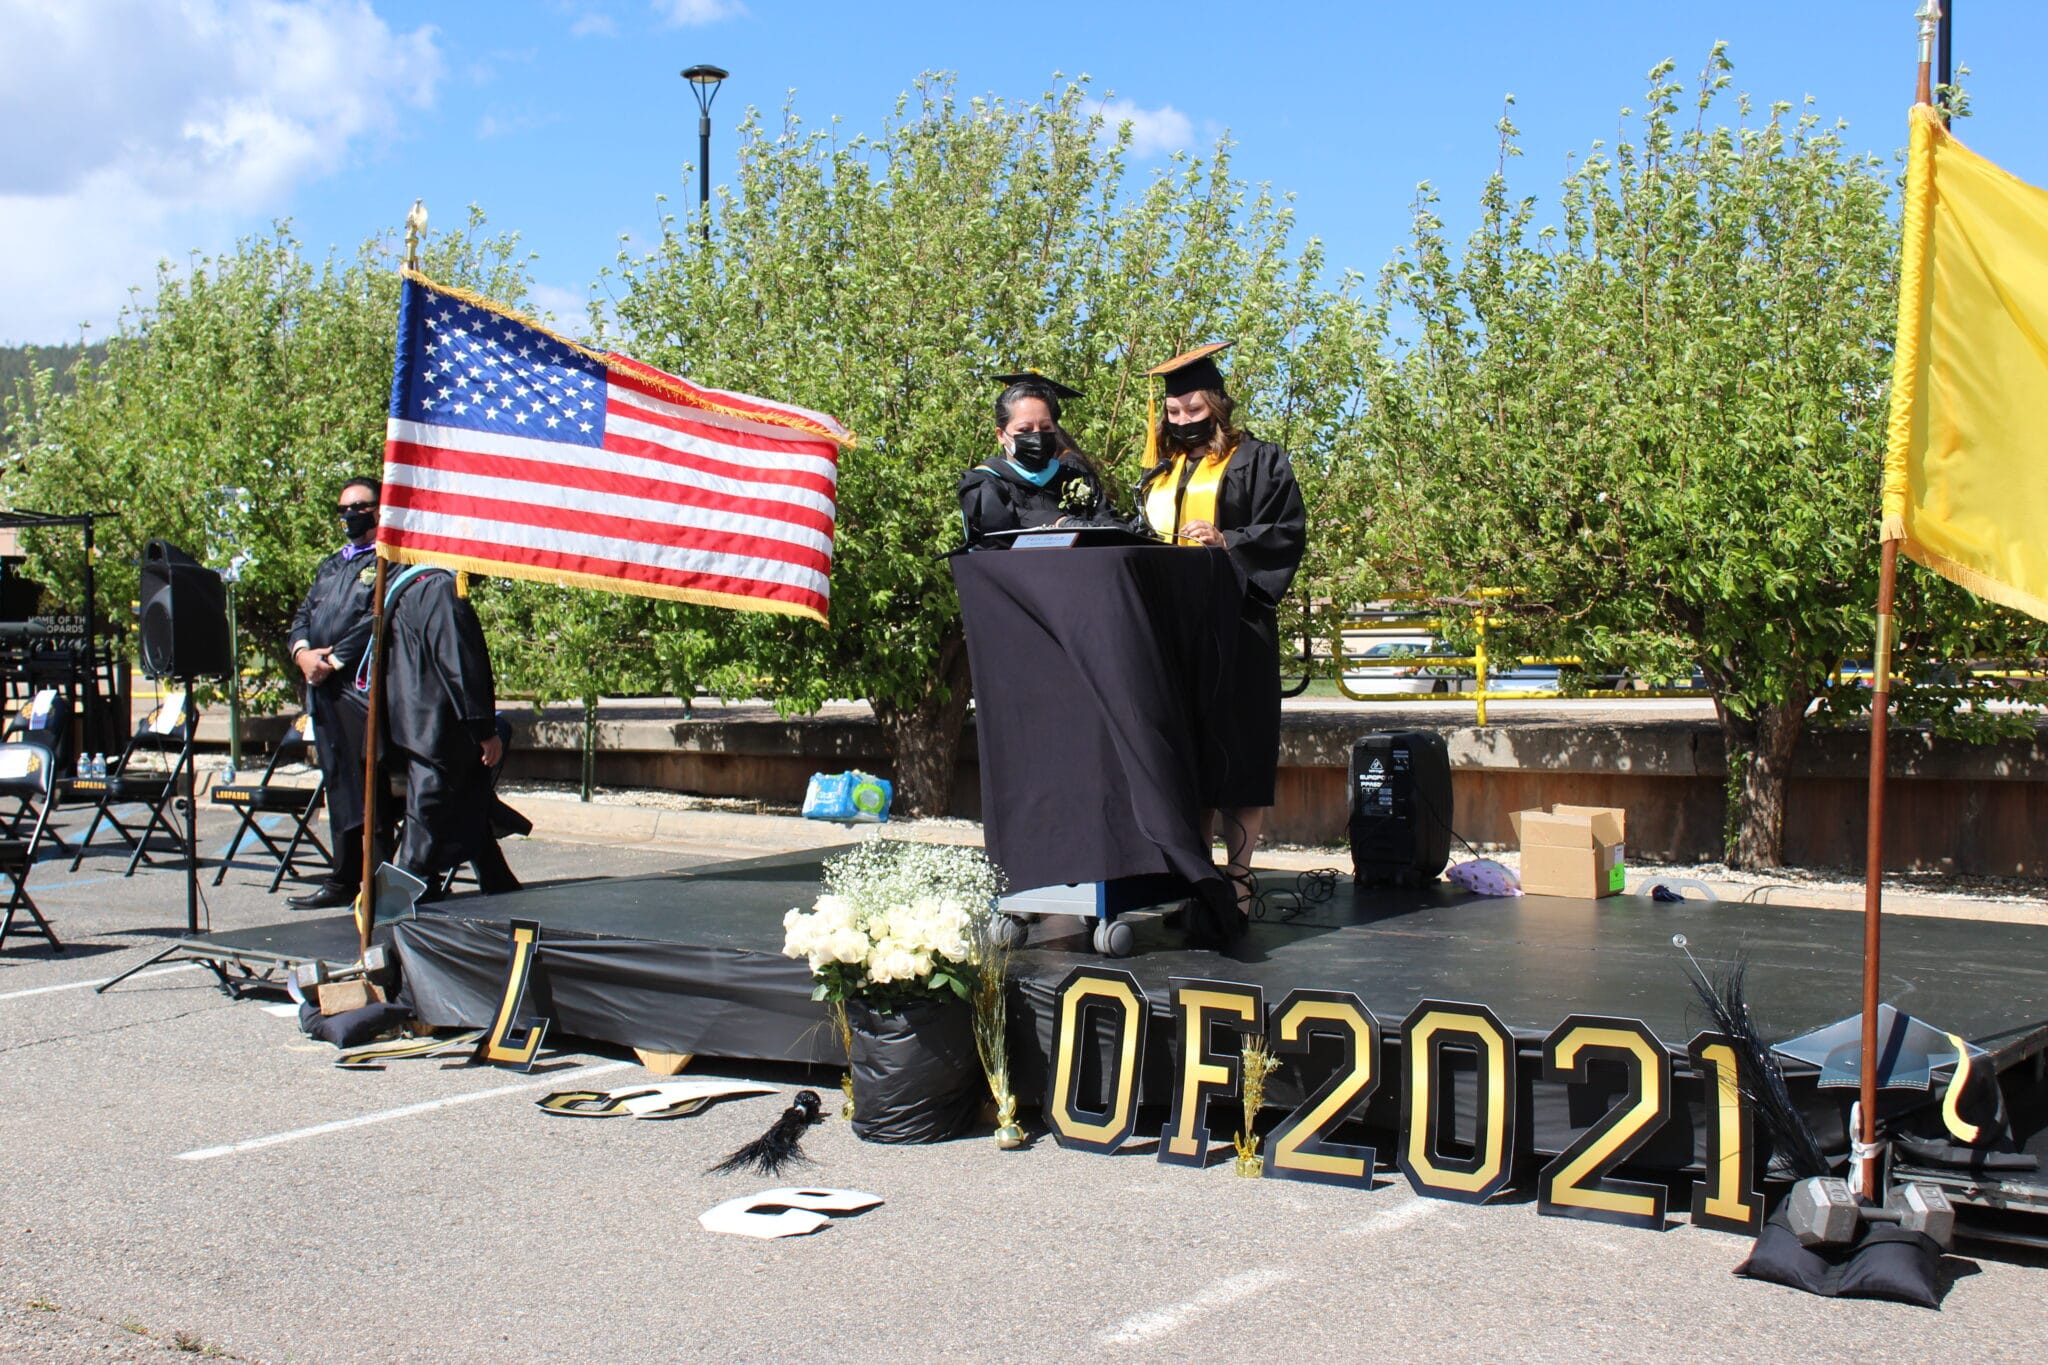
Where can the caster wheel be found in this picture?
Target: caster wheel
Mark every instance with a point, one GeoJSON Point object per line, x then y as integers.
{"type": "Point", "coordinates": [1113, 939]}
{"type": "Point", "coordinates": [1008, 931]}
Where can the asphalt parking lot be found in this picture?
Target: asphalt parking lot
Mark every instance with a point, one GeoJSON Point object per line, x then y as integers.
{"type": "Point", "coordinates": [188, 1174]}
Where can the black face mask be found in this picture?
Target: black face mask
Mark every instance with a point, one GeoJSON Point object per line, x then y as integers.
{"type": "Point", "coordinates": [1192, 433]}
{"type": "Point", "coordinates": [1033, 449]}
{"type": "Point", "coordinates": [359, 523]}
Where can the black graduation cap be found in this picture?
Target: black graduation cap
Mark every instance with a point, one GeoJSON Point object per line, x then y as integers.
{"type": "Point", "coordinates": [1052, 386]}
{"type": "Point", "coordinates": [1192, 370]}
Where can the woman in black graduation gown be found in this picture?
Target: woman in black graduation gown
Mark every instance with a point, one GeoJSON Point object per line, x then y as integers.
{"type": "Point", "coordinates": [1215, 485]}
{"type": "Point", "coordinates": [1039, 477]}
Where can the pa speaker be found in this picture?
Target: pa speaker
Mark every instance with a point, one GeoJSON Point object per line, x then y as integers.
{"type": "Point", "coordinates": [1400, 791]}
{"type": "Point", "coordinates": [184, 616]}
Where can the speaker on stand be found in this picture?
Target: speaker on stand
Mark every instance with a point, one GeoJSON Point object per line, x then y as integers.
{"type": "Point", "coordinates": [184, 637]}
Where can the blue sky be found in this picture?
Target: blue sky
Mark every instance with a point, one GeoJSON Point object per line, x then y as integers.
{"type": "Point", "coordinates": [145, 128]}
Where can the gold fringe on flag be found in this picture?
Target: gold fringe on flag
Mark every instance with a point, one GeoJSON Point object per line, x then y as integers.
{"type": "Point", "coordinates": [492, 568]}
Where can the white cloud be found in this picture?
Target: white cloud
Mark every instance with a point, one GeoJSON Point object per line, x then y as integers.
{"type": "Point", "coordinates": [137, 128]}
{"type": "Point", "coordinates": [494, 125]}
{"type": "Point", "coordinates": [689, 13]}
{"type": "Point", "coordinates": [593, 24]}
{"type": "Point", "coordinates": [1153, 131]}
{"type": "Point", "coordinates": [568, 310]}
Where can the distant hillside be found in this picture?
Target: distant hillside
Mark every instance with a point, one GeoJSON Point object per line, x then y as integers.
{"type": "Point", "coordinates": [16, 361]}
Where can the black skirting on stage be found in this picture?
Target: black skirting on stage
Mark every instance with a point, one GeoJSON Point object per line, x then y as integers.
{"type": "Point", "coordinates": [690, 962]}
{"type": "Point", "coordinates": [671, 963]}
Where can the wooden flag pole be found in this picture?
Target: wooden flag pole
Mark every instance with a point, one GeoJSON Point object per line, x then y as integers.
{"type": "Point", "coordinates": [366, 899]}
{"type": "Point", "coordinates": [1873, 870]}
{"type": "Point", "coordinates": [1880, 720]}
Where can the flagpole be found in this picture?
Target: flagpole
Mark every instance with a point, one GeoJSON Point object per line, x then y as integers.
{"type": "Point", "coordinates": [1929, 16]}
{"type": "Point", "coordinates": [366, 899]}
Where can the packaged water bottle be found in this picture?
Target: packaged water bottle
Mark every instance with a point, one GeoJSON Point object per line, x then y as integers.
{"type": "Point", "coordinates": [227, 778]}
{"type": "Point", "coordinates": [99, 766]}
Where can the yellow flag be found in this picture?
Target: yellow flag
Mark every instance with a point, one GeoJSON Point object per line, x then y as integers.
{"type": "Point", "coordinates": [1966, 464]}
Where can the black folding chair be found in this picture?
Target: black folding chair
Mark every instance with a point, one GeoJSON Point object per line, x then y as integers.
{"type": "Point", "coordinates": [30, 758]}
{"type": "Point", "coordinates": [265, 796]}
{"type": "Point", "coordinates": [169, 729]}
{"type": "Point", "coordinates": [15, 861]}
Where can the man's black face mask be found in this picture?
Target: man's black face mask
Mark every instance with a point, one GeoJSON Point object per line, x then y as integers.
{"type": "Point", "coordinates": [359, 521]}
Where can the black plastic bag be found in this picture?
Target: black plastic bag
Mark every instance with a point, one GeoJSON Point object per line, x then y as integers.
{"type": "Point", "coordinates": [916, 1075]}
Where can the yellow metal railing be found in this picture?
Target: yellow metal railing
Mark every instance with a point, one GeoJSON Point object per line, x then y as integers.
{"type": "Point", "coordinates": [1480, 661]}
{"type": "Point", "coordinates": [1480, 619]}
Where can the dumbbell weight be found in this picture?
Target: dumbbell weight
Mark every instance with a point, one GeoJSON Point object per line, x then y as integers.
{"type": "Point", "coordinates": [1823, 1211]}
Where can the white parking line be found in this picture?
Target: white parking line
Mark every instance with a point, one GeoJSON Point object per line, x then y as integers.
{"type": "Point", "coordinates": [1221, 1294]}
{"type": "Point", "coordinates": [99, 981]}
{"type": "Point", "coordinates": [403, 1111]}
{"type": "Point", "coordinates": [1233, 1288]}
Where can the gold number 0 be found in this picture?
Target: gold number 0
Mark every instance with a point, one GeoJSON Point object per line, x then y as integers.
{"type": "Point", "coordinates": [1432, 1029]}
{"type": "Point", "coordinates": [1301, 1148]}
{"type": "Point", "coordinates": [1116, 996]}
{"type": "Point", "coordinates": [1575, 1184]}
{"type": "Point", "coordinates": [1727, 1199]}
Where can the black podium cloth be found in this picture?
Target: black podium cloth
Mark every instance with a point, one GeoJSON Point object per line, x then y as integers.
{"type": "Point", "coordinates": [1097, 678]}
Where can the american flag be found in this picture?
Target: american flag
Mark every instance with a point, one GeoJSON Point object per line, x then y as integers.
{"type": "Point", "coordinates": [513, 452]}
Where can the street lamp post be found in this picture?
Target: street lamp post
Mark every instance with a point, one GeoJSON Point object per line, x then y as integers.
{"type": "Point", "coordinates": [704, 82]}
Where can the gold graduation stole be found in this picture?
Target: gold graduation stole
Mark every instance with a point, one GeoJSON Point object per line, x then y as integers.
{"type": "Point", "coordinates": [1168, 507]}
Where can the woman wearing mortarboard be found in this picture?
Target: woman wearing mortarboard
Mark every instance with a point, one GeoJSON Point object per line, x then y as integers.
{"type": "Point", "coordinates": [1211, 484]}
{"type": "Point", "coordinates": [1040, 477]}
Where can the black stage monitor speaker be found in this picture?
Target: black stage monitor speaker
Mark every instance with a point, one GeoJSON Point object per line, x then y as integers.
{"type": "Point", "coordinates": [184, 616]}
{"type": "Point", "coordinates": [20, 595]}
{"type": "Point", "coordinates": [1400, 808]}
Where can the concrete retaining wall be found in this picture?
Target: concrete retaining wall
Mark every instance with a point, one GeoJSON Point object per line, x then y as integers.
{"type": "Point", "coordinates": [1952, 806]}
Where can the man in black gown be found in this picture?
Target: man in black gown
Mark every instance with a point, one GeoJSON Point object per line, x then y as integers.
{"type": "Point", "coordinates": [328, 636]}
{"type": "Point", "coordinates": [441, 728]}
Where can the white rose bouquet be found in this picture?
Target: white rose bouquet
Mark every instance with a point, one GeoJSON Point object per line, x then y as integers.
{"type": "Point", "coordinates": [897, 923]}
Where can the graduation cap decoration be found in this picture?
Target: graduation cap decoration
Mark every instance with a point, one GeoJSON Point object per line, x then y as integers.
{"type": "Point", "coordinates": [397, 893]}
{"type": "Point", "coordinates": [1193, 370]}
{"type": "Point", "coordinates": [1908, 1051]}
{"type": "Point", "coordinates": [1052, 386]}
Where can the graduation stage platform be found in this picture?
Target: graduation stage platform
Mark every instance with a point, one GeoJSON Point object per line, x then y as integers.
{"type": "Point", "coordinates": [690, 962]}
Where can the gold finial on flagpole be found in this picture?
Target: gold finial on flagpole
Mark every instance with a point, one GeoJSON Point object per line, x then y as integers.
{"type": "Point", "coordinates": [415, 230]}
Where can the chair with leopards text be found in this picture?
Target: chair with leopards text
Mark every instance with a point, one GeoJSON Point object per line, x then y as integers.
{"type": "Point", "coordinates": [165, 734]}
{"type": "Point", "coordinates": [31, 757]}
{"type": "Point", "coordinates": [15, 863]}
{"type": "Point", "coordinates": [266, 798]}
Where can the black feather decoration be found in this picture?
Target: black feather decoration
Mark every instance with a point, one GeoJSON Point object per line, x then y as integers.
{"type": "Point", "coordinates": [1757, 1073]}
{"type": "Point", "coordinates": [781, 1145]}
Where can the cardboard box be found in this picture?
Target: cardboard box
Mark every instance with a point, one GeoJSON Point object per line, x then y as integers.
{"type": "Point", "coordinates": [1572, 850]}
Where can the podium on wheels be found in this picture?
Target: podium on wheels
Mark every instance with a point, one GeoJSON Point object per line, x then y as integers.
{"type": "Point", "coordinates": [1097, 660]}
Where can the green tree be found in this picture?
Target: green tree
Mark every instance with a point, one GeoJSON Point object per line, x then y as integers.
{"type": "Point", "coordinates": [259, 370]}
{"type": "Point", "coordinates": [1661, 419]}
{"type": "Point", "coordinates": [556, 644]}
{"type": "Point", "coordinates": [883, 278]}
